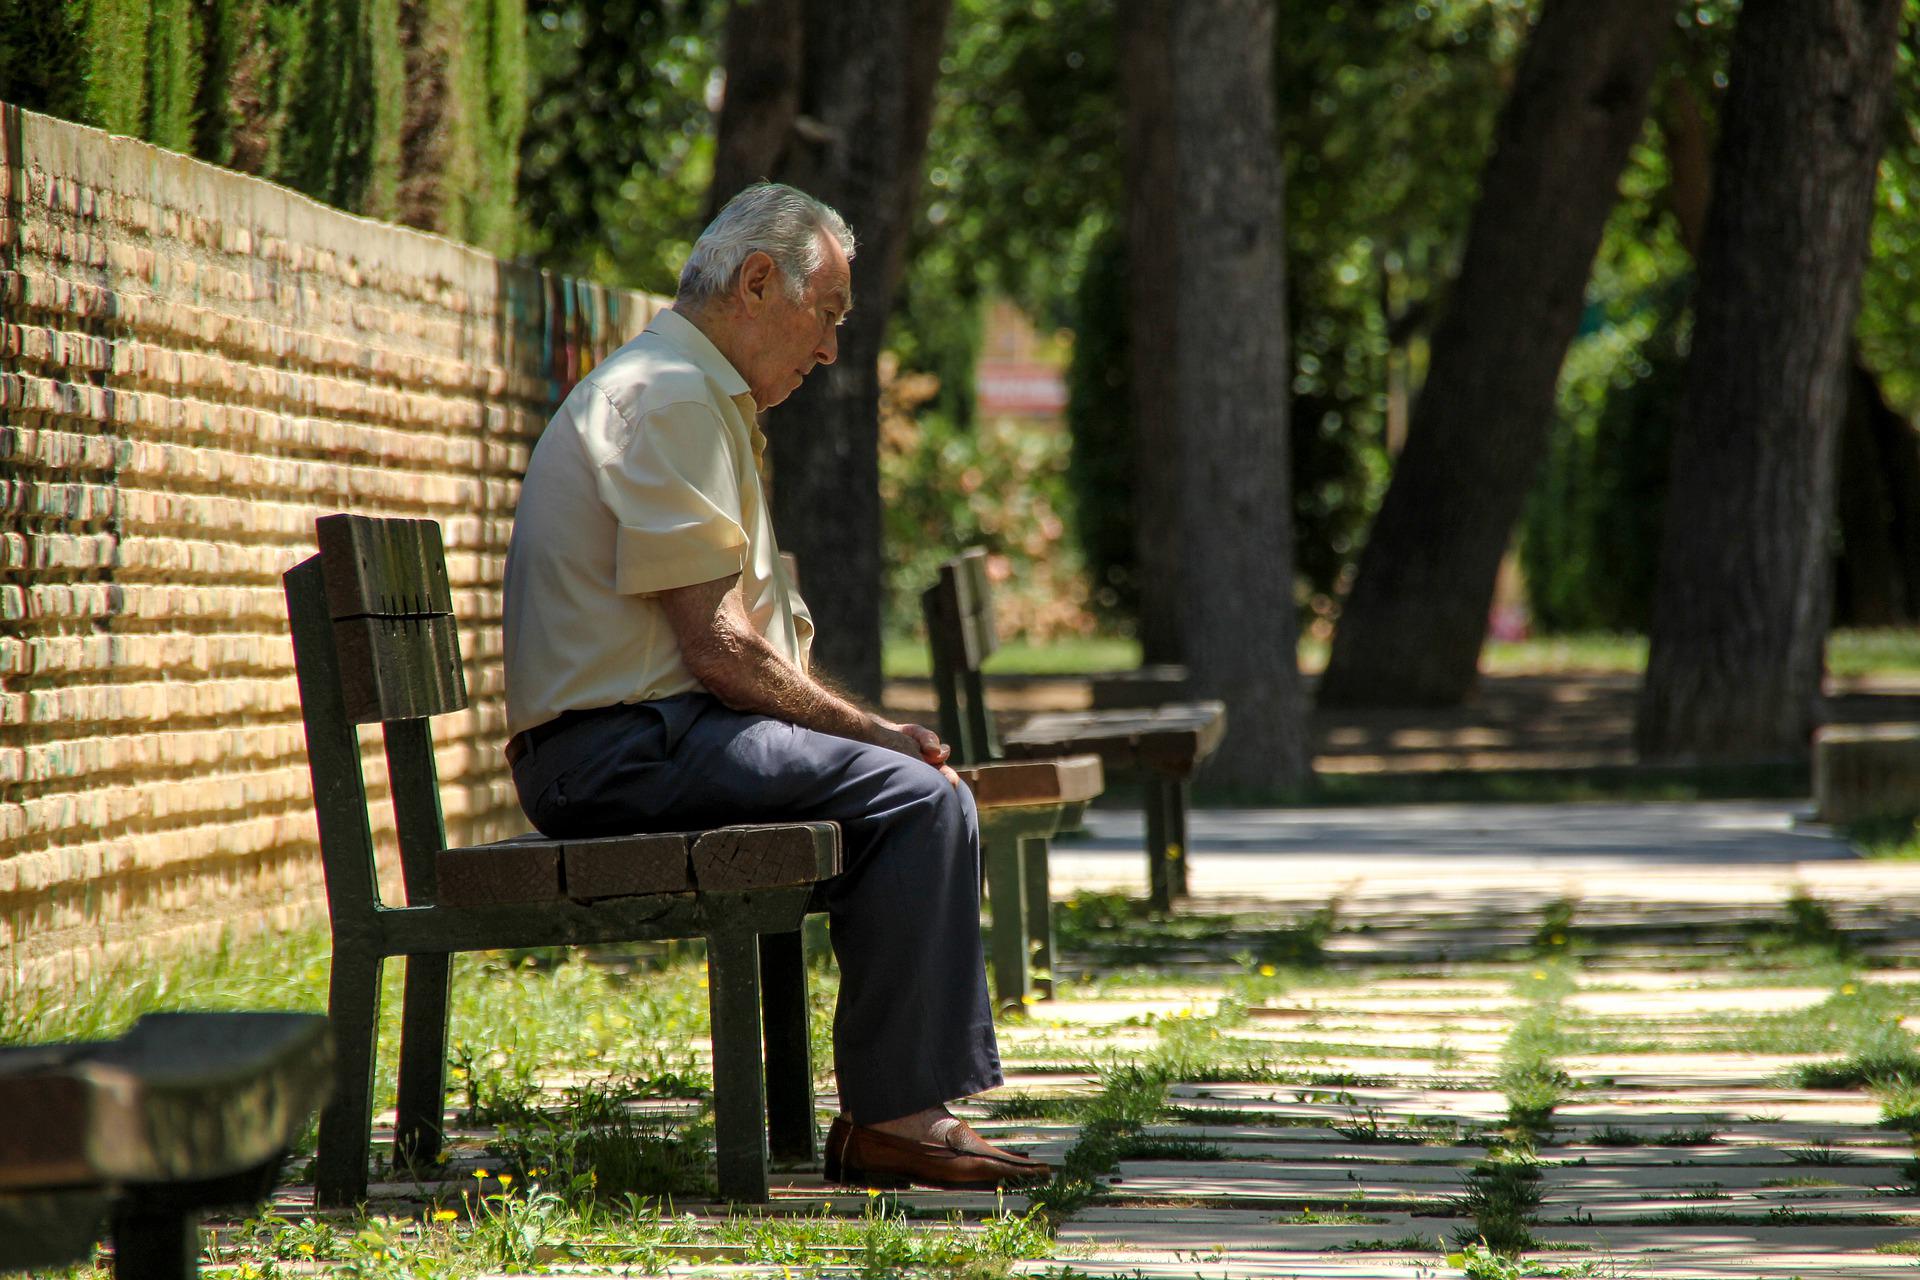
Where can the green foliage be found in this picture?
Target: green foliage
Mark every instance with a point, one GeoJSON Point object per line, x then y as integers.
{"type": "Point", "coordinates": [173, 73]}
{"type": "Point", "coordinates": [617, 151]}
{"type": "Point", "coordinates": [1890, 289]}
{"type": "Point", "coordinates": [250, 49]}
{"type": "Point", "coordinates": [43, 62]}
{"type": "Point", "coordinates": [1026, 89]}
{"type": "Point", "coordinates": [327, 97]}
{"type": "Point", "coordinates": [343, 143]}
{"type": "Point", "coordinates": [1001, 485]}
{"type": "Point", "coordinates": [1385, 112]}
{"type": "Point", "coordinates": [113, 35]}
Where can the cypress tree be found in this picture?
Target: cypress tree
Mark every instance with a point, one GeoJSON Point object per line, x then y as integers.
{"type": "Point", "coordinates": [173, 74]}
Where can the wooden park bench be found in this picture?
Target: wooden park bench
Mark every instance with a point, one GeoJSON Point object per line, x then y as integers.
{"type": "Point", "coordinates": [137, 1137]}
{"type": "Point", "coordinates": [1162, 745]}
{"type": "Point", "coordinates": [375, 642]}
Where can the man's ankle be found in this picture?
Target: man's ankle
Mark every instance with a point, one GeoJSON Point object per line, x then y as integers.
{"type": "Point", "coordinates": [918, 1127]}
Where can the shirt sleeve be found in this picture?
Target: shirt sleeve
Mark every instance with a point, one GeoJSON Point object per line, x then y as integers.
{"type": "Point", "coordinates": [675, 491]}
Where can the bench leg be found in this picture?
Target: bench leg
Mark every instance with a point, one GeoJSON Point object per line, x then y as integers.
{"type": "Point", "coordinates": [1033, 853]}
{"type": "Point", "coordinates": [1159, 887]}
{"type": "Point", "coordinates": [791, 1132]}
{"type": "Point", "coordinates": [1177, 837]}
{"type": "Point", "coordinates": [155, 1243]}
{"type": "Point", "coordinates": [422, 1107]}
{"type": "Point", "coordinates": [353, 1013]}
{"type": "Point", "coordinates": [1007, 891]}
{"type": "Point", "coordinates": [1166, 841]}
{"type": "Point", "coordinates": [739, 1095]}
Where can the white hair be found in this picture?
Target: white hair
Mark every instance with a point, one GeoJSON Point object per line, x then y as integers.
{"type": "Point", "coordinates": [768, 217]}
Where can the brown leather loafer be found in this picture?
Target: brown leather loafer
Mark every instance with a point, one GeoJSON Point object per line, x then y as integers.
{"type": "Point", "coordinates": [861, 1157]}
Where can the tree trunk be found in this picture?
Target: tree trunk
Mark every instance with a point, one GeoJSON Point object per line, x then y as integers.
{"type": "Point", "coordinates": [1410, 630]}
{"type": "Point", "coordinates": [1741, 605]}
{"type": "Point", "coordinates": [1152, 282]}
{"type": "Point", "coordinates": [854, 135]}
{"type": "Point", "coordinates": [1870, 588]}
{"type": "Point", "coordinates": [1877, 493]}
{"type": "Point", "coordinates": [764, 43]}
{"type": "Point", "coordinates": [1230, 385]}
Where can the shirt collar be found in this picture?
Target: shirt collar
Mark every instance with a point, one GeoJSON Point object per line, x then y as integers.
{"type": "Point", "coordinates": [683, 335]}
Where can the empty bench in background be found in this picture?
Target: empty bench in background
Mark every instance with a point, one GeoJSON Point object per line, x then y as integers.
{"type": "Point", "coordinates": [135, 1138]}
{"type": "Point", "coordinates": [1162, 745]}
{"type": "Point", "coordinates": [375, 642]}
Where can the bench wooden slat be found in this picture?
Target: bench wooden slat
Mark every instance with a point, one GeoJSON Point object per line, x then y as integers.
{"type": "Point", "coordinates": [383, 568]}
{"type": "Point", "coordinates": [765, 857]}
{"type": "Point", "coordinates": [182, 1096]}
{"type": "Point", "coordinates": [399, 668]}
{"type": "Point", "coordinates": [508, 871]}
{"type": "Point", "coordinates": [1169, 739]}
{"type": "Point", "coordinates": [1067, 780]}
{"type": "Point", "coordinates": [621, 866]}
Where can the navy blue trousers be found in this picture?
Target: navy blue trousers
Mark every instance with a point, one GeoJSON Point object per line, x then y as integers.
{"type": "Point", "coordinates": [914, 1027]}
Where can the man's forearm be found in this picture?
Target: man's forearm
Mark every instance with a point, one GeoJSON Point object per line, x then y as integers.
{"type": "Point", "coordinates": [751, 675]}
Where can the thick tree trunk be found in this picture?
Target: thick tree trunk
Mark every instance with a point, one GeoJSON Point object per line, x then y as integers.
{"type": "Point", "coordinates": [1877, 493]}
{"type": "Point", "coordinates": [1411, 629]}
{"type": "Point", "coordinates": [764, 44]}
{"type": "Point", "coordinates": [854, 135]}
{"type": "Point", "coordinates": [1741, 605]}
{"type": "Point", "coordinates": [1231, 389]}
{"type": "Point", "coordinates": [1153, 275]}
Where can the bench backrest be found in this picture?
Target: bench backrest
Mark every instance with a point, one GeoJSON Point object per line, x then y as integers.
{"type": "Point", "coordinates": [374, 641]}
{"type": "Point", "coordinates": [960, 635]}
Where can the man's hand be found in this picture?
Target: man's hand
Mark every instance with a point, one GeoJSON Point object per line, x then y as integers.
{"type": "Point", "coordinates": [926, 743]}
{"type": "Point", "coordinates": [736, 664]}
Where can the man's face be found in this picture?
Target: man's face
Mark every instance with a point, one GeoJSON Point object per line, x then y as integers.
{"type": "Point", "coordinates": [785, 339]}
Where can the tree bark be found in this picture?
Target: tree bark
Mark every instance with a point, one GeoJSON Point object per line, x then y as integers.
{"type": "Point", "coordinates": [1411, 628]}
{"type": "Point", "coordinates": [763, 47]}
{"type": "Point", "coordinates": [1152, 197]}
{"type": "Point", "coordinates": [1741, 604]}
{"type": "Point", "coordinates": [1877, 492]}
{"type": "Point", "coordinates": [861, 104]}
{"type": "Point", "coordinates": [1230, 390]}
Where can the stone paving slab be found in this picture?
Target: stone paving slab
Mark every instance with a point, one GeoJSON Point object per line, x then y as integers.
{"type": "Point", "coordinates": [1438, 912]}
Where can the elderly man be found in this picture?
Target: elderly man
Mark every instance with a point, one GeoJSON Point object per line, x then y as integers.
{"type": "Point", "coordinates": [656, 661]}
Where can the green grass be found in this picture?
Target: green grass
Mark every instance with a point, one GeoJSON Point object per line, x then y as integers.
{"type": "Point", "coordinates": [1890, 651]}
{"type": "Point", "coordinates": [905, 657]}
{"type": "Point", "coordinates": [1895, 837]}
{"type": "Point", "coordinates": [576, 1175]}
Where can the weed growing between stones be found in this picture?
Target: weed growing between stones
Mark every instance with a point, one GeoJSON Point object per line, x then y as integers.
{"type": "Point", "coordinates": [1130, 1098]}
{"type": "Point", "coordinates": [1503, 1190]}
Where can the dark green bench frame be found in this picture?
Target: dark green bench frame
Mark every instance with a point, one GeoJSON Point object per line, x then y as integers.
{"type": "Point", "coordinates": [375, 642]}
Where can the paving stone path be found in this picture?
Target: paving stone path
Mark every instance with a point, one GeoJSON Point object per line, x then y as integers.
{"type": "Point", "coordinates": [1340, 1012]}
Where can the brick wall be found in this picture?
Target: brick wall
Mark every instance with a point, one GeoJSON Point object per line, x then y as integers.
{"type": "Point", "coordinates": [193, 366]}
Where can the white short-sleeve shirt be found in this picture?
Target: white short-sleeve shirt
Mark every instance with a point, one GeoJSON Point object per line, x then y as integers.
{"type": "Point", "coordinates": [645, 480]}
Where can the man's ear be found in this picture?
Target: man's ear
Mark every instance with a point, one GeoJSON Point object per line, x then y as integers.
{"type": "Point", "coordinates": [757, 281]}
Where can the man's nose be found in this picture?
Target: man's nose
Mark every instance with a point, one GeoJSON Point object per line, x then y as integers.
{"type": "Point", "coordinates": [828, 349]}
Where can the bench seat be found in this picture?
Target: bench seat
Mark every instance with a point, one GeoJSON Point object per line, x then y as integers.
{"type": "Point", "coordinates": [1171, 740]}
{"type": "Point", "coordinates": [186, 1112]}
{"type": "Point", "coordinates": [531, 868]}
